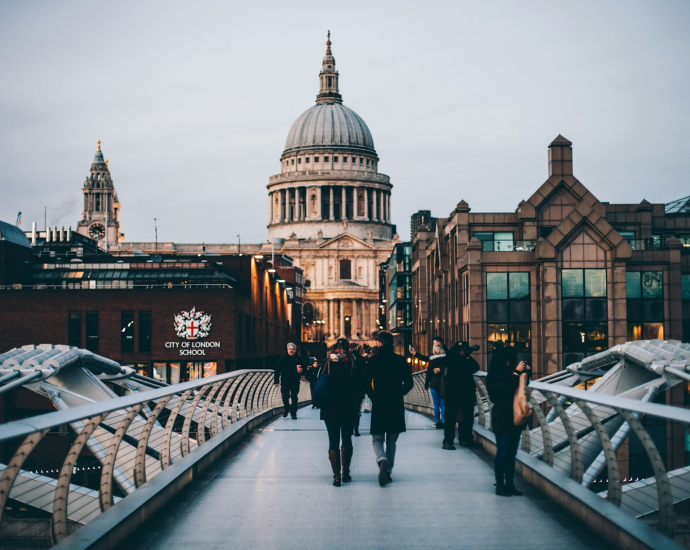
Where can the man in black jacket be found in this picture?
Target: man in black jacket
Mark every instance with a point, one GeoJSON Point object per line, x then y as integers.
{"type": "Point", "coordinates": [287, 373]}
{"type": "Point", "coordinates": [388, 380]}
{"type": "Point", "coordinates": [459, 394]}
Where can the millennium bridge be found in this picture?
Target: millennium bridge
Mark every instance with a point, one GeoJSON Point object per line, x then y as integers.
{"type": "Point", "coordinates": [127, 461]}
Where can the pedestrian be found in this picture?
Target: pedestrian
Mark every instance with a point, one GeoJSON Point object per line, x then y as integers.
{"type": "Point", "coordinates": [340, 411]}
{"type": "Point", "coordinates": [457, 383]}
{"type": "Point", "coordinates": [312, 375]}
{"type": "Point", "coordinates": [433, 378]}
{"type": "Point", "coordinates": [388, 380]}
{"type": "Point", "coordinates": [287, 374]}
{"type": "Point", "coordinates": [358, 355]}
{"type": "Point", "coordinates": [501, 382]}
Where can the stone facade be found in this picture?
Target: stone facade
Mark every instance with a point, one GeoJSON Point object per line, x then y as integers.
{"type": "Point", "coordinates": [101, 214]}
{"type": "Point", "coordinates": [562, 277]}
{"type": "Point", "coordinates": [329, 210]}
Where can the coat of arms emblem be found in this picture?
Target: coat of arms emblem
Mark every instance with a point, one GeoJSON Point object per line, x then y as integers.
{"type": "Point", "coordinates": [192, 324]}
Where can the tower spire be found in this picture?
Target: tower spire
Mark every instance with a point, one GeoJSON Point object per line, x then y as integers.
{"type": "Point", "coordinates": [328, 78]}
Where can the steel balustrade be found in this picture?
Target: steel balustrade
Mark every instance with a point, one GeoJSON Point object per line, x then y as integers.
{"type": "Point", "coordinates": [575, 428]}
{"type": "Point", "coordinates": [147, 432]}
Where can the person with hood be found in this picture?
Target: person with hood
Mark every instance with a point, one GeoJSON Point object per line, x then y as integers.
{"type": "Point", "coordinates": [287, 373]}
{"type": "Point", "coordinates": [501, 382]}
{"type": "Point", "coordinates": [341, 410]}
{"type": "Point", "coordinates": [388, 380]}
{"type": "Point", "coordinates": [457, 384]}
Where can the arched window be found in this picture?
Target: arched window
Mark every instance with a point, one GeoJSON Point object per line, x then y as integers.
{"type": "Point", "coordinates": [345, 269]}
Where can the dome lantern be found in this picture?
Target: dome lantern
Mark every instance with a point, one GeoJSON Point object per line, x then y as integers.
{"type": "Point", "coordinates": [328, 78]}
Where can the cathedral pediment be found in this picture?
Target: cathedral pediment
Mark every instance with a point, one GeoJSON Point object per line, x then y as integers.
{"type": "Point", "coordinates": [346, 241]}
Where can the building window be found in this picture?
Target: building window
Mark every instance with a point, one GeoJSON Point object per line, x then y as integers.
{"type": "Point", "coordinates": [325, 159]}
{"type": "Point", "coordinates": [92, 331]}
{"type": "Point", "coordinates": [345, 269]}
{"type": "Point", "coordinates": [584, 313]}
{"type": "Point", "coordinates": [508, 311]}
{"type": "Point", "coordinates": [74, 329]}
{"type": "Point", "coordinates": [335, 159]}
{"type": "Point", "coordinates": [545, 231]}
{"type": "Point", "coordinates": [495, 241]}
{"type": "Point", "coordinates": [645, 294]}
{"type": "Point", "coordinates": [127, 332]}
{"type": "Point", "coordinates": [344, 159]}
{"type": "Point", "coordinates": [293, 161]}
{"type": "Point", "coordinates": [629, 236]}
{"type": "Point", "coordinates": [299, 160]}
{"type": "Point", "coordinates": [316, 159]}
{"type": "Point", "coordinates": [145, 331]}
{"type": "Point", "coordinates": [361, 161]}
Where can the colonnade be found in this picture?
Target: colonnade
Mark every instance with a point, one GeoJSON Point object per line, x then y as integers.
{"type": "Point", "coordinates": [329, 202]}
{"type": "Point", "coordinates": [338, 313]}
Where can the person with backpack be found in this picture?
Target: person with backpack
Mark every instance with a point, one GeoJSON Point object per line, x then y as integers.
{"type": "Point", "coordinates": [501, 382]}
{"type": "Point", "coordinates": [341, 407]}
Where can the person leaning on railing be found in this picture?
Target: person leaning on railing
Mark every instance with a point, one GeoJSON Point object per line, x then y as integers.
{"type": "Point", "coordinates": [501, 382]}
{"type": "Point", "coordinates": [433, 379]}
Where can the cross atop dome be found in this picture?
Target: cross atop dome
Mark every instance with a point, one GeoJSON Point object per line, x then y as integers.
{"type": "Point", "coordinates": [328, 78]}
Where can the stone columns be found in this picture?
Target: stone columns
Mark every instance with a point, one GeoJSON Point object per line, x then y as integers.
{"type": "Point", "coordinates": [355, 321]}
{"type": "Point", "coordinates": [374, 206]}
{"type": "Point", "coordinates": [270, 208]}
{"type": "Point", "coordinates": [341, 328]}
{"type": "Point", "coordinates": [331, 319]}
{"type": "Point", "coordinates": [331, 216]}
{"type": "Point", "coordinates": [319, 203]}
{"type": "Point", "coordinates": [343, 207]}
{"type": "Point", "coordinates": [366, 203]}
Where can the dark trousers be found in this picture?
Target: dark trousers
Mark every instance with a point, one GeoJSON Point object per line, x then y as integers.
{"type": "Point", "coordinates": [451, 413]}
{"type": "Point", "coordinates": [290, 392]}
{"type": "Point", "coordinates": [465, 425]}
{"type": "Point", "coordinates": [336, 430]}
{"type": "Point", "coordinates": [504, 461]}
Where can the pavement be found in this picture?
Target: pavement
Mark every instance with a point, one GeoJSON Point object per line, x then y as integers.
{"type": "Point", "coordinates": [274, 491]}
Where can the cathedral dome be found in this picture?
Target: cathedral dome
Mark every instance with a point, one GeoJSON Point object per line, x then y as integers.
{"type": "Point", "coordinates": [329, 126]}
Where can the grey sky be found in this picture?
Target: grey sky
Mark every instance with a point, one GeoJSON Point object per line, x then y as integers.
{"type": "Point", "coordinates": [193, 101]}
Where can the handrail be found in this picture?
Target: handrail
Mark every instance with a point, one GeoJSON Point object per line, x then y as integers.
{"type": "Point", "coordinates": [582, 438]}
{"type": "Point", "coordinates": [133, 438]}
{"type": "Point", "coordinates": [27, 426]}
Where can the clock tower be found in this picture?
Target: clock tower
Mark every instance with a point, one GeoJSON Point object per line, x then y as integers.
{"type": "Point", "coordinates": [101, 215]}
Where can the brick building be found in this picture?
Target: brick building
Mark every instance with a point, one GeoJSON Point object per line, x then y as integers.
{"type": "Point", "coordinates": [561, 278]}
{"type": "Point", "coordinates": [175, 319]}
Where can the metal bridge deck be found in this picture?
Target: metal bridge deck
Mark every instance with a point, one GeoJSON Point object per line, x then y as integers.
{"type": "Point", "coordinates": [275, 492]}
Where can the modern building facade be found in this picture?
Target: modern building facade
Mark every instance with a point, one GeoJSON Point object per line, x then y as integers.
{"type": "Point", "coordinates": [561, 278]}
{"type": "Point", "coordinates": [396, 298]}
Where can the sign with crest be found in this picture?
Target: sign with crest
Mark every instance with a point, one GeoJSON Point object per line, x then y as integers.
{"type": "Point", "coordinates": [192, 324]}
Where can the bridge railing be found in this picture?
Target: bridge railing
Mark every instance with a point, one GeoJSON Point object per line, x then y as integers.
{"type": "Point", "coordinates": [52, 482]}
{"type": "Point", "coordinates": [615, 447]}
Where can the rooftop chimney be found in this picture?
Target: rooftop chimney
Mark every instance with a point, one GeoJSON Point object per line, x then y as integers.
{"type": "Point", "coordinates": [560, 157]}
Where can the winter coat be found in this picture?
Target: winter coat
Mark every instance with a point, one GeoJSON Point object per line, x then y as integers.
{"type": "Point", "coordinates": [457, 380]}
{"type": "Point", "coordinates": [345, 383]}
{"type": "Point", "coordinates": [501, 385]}
{"type": "Point", "coordinates": [433, 380]}
{"type": "Point", "coordinates": [388, 380]}
{"type": "Point", "coordinates": [286, 370]}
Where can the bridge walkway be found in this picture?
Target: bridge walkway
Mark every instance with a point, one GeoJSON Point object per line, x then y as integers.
{"type": "Point", "coordinates": [274, 492]}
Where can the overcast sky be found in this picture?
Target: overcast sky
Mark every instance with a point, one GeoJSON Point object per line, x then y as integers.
{"type": "Point", "coordinates": [193, 102]}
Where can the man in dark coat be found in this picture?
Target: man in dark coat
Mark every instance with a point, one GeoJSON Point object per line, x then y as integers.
{"type": "Point", "coordinates": [459, 394]}
{"type": "Point", "coordinates": [287, 373]}
{"type": "Point", "coordinates": [388, 380]}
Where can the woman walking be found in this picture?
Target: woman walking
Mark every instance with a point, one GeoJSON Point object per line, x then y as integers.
{"type": "Point", "coordinates": [340, 412]}
{"type": "Point", "coordinates": [502, 381]}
